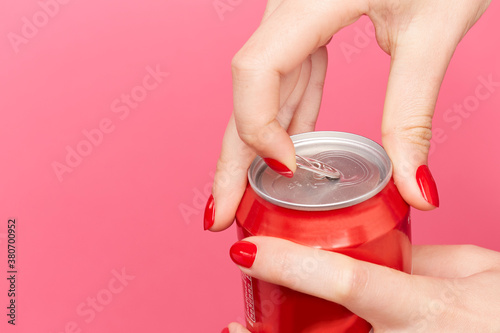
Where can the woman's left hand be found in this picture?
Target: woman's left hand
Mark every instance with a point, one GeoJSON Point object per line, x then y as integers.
{"type": "Point", "coordinates": [454, 288]}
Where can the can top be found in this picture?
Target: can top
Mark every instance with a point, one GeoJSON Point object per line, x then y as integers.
{"type": "Point", "coordinates": [364, 167]}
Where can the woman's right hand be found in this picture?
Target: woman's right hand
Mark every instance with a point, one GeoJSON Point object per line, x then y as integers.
{"type": "Point", "coordinates": [278, 79]}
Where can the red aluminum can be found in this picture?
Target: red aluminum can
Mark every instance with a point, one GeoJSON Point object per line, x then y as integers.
{"type": "Point", "coordinates": [361, 215]}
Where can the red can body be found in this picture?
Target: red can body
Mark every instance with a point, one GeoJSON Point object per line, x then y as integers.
{"type": "Point", "coordinates": [376, 230]}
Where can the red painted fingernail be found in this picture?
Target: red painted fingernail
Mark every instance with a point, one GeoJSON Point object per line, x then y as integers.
{"type": "Point", "coordinates": [427, 185]}
{"type": "Point", "coordinates": [208, 221]}
{"type": "Point", "coordinates": [279, 167]}
{"type": "Point", "coordinates": [225, 330]}
{"type": "Point", "coordinates": [243, 253]}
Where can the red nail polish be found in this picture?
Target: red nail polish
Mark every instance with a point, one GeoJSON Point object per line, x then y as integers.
{"type": "Point", "coordinates": [243, 253]}
{"type": "Point", "coordinates": [225, 330]}
{"type": "Point", "coordinates": [208, 221]}
{"type": "Point", "coordinates": [427, 185]}
{"type": "Point", "coordinates": [279, 167]}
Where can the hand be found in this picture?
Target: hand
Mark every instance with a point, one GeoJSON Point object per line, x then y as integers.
{"type": "Point", "coordinates": [452, 289]}
{"type": "Point", "coordinates": [278, 79]}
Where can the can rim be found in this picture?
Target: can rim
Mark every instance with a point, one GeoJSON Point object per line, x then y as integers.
{"type": "Point", "coordinates": [383, 161]}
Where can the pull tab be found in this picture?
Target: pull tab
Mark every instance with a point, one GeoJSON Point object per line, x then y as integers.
{"type": "Point", "coordinates": [317, 167]}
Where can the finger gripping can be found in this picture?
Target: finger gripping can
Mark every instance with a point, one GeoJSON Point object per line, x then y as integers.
{"type": "Point", "coordinates": [361, 214]}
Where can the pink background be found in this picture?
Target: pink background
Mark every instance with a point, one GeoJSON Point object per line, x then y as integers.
{"type": "Point", "coordinates": [120, 206]}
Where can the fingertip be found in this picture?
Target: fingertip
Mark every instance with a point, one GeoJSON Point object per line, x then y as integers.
{"type": "Point", "coordinates": [243, 253]}
{"type": "Point", "coordinates": [280, 155]}
{"type": "Point", "coordinates": [270, 141]}
{"type": "Point", "coordinates": [418, 188]}
{"type": "Point", "coordinates": [223, 215]}
{"type": "Point", "coordinates": [218, 216]}
{"type": "Point", "coordinates": [209, 216]}
{"type": "Point", "coordinates": [427, 185]}
{"type": "Point", "coordinates": [221, 226]}
{"type": "Point", "coordinates": [227, 196]}
{"type": "Point", "coordinates": [278, 167]}
{"type": "Point", "coordinates": [230, 179]}
{"type": "Point", "coordinates": [410, 171]}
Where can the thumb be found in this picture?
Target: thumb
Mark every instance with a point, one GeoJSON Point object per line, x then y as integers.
{"type": "Point", "coordinates": [381, 295]}
{"type": "Point", "coordinates": [417, 71]}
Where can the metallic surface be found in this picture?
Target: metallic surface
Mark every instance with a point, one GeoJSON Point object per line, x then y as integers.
{"type": "Point", "coordinates": [320, 169]}
{"type": "Point", "coordinates": [362, 165]}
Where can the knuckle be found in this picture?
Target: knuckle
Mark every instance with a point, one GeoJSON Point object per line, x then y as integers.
{"type": "Point", "coordinates": [490, 260]}
{"type": "Point", "coordinates": [229, 167]}
{"type": "Point", "coordinates": [244, 63]}
{"type": "Point", "coordinates": [467, 249]}
{"type": "Point", "coordinates": [223, 167]}
{"type": "Point", "coordinates": [306, 124]}
{"type": "Point", "coordinates": [310, 125]}
{"type": "Point", "coordinates": [251, 65]}
{"type": "Point", "coordinates": [226, 170]}
{"type": "Point", "coordinates": [468, 252]}
{"type": "Point", "coordinates": [252, 138]}
{"type": "Point", "coordinates": [249, 136]}
{"type": "Point", "coordinates": [286, 270]}
{"type": "Point", "coordinates": [259, 134]}
{"type": "Point", "coordinates": [352, 283]}
{"type": "Point", "coordinates": [416, 130]}
{"type": "Point", "coordinates": [318, 85]}
{"type": "Point", "coordinates": [283, 270]}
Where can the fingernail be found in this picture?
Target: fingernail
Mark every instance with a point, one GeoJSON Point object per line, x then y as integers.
{"type": "Point", "coordinates": [427, 185]}
{"type": "Point", "coordinates": [208, 221]}
{"type": "Point", "coordinates": [279, 167]}
{"type": "Point", "coordinates": [225, 330]}
{"type": "Point", "coordinates": [243, 253]}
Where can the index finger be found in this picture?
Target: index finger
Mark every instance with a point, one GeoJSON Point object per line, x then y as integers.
{"type": "Point", "coordinates": [294, 31]}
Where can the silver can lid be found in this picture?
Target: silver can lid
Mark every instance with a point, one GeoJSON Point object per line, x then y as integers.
{"type": "Point", "coordinates": [364, 167]}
